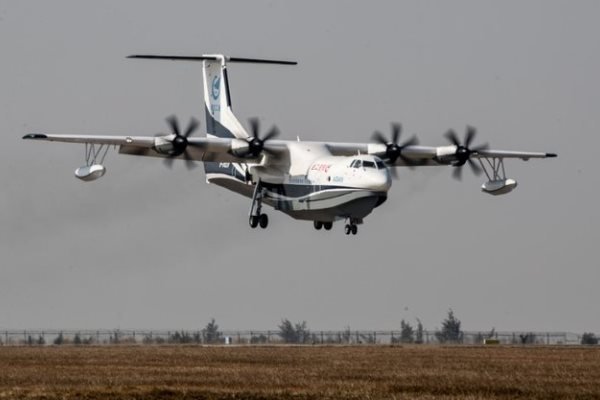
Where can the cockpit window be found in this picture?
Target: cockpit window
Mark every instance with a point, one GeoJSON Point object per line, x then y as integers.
{"type": "Point", "coordinates": [368, 164]}
{"type": "Point", "coordinates": [380, 165]}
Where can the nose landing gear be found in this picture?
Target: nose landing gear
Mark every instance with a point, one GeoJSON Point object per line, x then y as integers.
{"type": "Point", "coordinates": [352, 226]}
{"type": "Point", "coordinates": [351, 229]}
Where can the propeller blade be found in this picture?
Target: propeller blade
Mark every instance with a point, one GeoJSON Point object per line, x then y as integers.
{"type": "Point", "coordinates": [189, 162]}
{"type": "Point", "coordinates": [274, 132]}
{"type": "Point", "coordinates": [469, 135]}
{"type": "Point", "coordinates": [484, 146]}
{"type": "Point", "coordinates": [396, 131]}
{"type": "Point", "coordinates": [411, 142]}
{"type": "Point", "coordinates": [174, 124]}
{"type": "Point", "coordinates": [451, 136]}
{"type": "Point", "coordinates": [393, 173]}
{"type": "Point", "coordinates": [457, 173]}
{"type": "Point", "coordinates": [474, 167]}
{"type": "Point", "coordinates": [378, 137]}
{"type": "Point", "coordinates": [191, 127]}
{"type": "Point", "coordinates": [168, 162]}
{"type": "Point", "coordinates": [254, 126]}
{"type": "Point", "coordinates": [409, 163]}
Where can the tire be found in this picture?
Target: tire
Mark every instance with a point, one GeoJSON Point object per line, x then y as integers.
{"type": "Point", "coordinates": [327, 225]}
{"type": "Point", "coordinates": [354, 229]}
{"type": "Point", "coordinates": [263, 221]}
{"type": "Point", "coordinates": [253, 221]}
{"type": "Point", "coordinates": [347, 229]}
{"type": "Point", "coordinates": [318, 225]}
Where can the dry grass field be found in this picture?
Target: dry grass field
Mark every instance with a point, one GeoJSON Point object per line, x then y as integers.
{"type": "Point", "coordinates": [278, 372]}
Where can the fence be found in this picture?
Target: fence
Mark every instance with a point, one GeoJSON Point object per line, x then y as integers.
{"type": "Point", "coordinates": [343, 337]}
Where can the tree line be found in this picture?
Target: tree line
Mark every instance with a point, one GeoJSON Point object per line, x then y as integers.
{"type": "Point", "coordinates": [299, 333]}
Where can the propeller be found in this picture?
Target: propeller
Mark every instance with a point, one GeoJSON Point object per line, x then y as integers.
{"type": "Point", "coordinates": [180, 141]}
{"type": "Point", "coordinates": [463, 151]}
{"type": "Point", "coordinates": [256, 145]}
{"type": "Point", "coordinates": [393, 150]}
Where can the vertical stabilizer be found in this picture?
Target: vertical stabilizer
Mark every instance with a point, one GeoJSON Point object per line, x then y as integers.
{"type": "Point", "coordinates": [220, 120]}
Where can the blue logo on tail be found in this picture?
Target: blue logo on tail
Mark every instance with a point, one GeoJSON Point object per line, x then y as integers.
{"type": "Point", "coordinates": [216, 87]}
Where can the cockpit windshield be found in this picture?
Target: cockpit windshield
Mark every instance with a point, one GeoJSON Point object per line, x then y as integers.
{"type": "Point", "coordinates": [367, 164]}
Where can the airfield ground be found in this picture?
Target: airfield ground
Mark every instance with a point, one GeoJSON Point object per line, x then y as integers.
{"type": "Point", "coordinates": [279, 372]}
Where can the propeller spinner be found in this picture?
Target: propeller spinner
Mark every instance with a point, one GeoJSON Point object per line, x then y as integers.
{"type": "Point", "coordinates": [393, 150]}
{"type": "Point", "coordinates": [463, 151]}
{"type": "Point", "coordinates": [256, 145]}
{"type": "Point", "coordinates": [180, 141]}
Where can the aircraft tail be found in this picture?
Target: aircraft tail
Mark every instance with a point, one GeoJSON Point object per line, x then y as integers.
{"type": "Point", "coordinates": [220, 120]}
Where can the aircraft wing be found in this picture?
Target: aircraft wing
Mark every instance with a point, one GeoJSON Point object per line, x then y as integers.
{"type": "Point", "coordinates": [198, 148]}
{"type": "Point", "coordinates": [224, 149]}
{"type": "Point", "coordinates": [415, 155]}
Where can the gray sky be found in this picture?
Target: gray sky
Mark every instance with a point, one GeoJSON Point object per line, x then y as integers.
{"type": "Point", "coordinates": [148, 247]}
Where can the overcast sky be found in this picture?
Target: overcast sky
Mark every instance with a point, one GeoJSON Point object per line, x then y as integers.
{"type": "Point", "coordinates": [149, 247]}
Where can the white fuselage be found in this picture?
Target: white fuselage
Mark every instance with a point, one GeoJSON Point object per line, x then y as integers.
{"type": "Point", "coordinates": [324, 187]}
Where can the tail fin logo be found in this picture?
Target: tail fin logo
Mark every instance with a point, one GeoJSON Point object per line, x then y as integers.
{"type": "Point", "coordinates": [216, 87]}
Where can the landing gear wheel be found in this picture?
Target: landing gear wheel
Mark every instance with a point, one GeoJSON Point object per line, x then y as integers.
{"type": "Point", "coordinates": [354, 229]}
{"type": "Point", "coordinates": [347, 229]}
{"type": "Point", "coordinates": [318, 225]}
{"type": "Point", "coordinates": [327, 225]}
{"type": "Point", "coordinates": [253, 221]}
{"type": "Point", "coordinates": [263, 220]}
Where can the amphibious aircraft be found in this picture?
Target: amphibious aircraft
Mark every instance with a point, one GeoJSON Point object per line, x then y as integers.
{"type": "Point", "coordinates": [322, 182]}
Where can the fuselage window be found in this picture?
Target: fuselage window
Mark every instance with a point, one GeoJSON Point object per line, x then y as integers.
{"type": "Point", "coordinates": [380, 165]}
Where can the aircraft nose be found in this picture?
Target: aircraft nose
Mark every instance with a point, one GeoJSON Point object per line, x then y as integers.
{"type": "Point", "coordinates": [382, 181]}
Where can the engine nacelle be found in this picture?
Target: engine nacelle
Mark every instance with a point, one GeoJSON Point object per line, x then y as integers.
{"type": "Point", "coordinates": [498, 187]}
{"type": "Point", "coordinates": [240, 147]}
{"type": "Point", "coordinates": [90, 172]}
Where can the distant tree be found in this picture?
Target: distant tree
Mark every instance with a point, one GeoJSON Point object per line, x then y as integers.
{"type": "Point", "coordinates": [211, 332]}
{"type": "Point", "coordinates": [182, 337]}
{"type": "Point", "coordinates": [302, 332]}
{"type": "Point", "coordinates": [528, 338]}
{"type": "Point", "coordinates": [450, 332]}
{"type": "Point", "coordinates": [290, 333]}
{"type": "Point", "coordinates": [287, 331]}
{"type": "Point", "coordinates": [59, 339]}
{"type": "Point", "coordinates": [260, 339]}
{"type": "Point", "coordinates": [589, 338]}
{"type": "Point", "coordinates": [77, 339]}
{"type": "Point", "coordinates": [407, 332]}
{"type": "Point", "coordinates": [41, 341]}
{"type": "Point", "coordinates": [419, 332]}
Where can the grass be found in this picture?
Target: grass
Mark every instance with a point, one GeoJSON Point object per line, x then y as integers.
{"type": "Point", "coordinates": [279, 372]}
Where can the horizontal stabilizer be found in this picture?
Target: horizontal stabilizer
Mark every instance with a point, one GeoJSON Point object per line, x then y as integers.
{"type": "Point", "coordinates": [201, 58]}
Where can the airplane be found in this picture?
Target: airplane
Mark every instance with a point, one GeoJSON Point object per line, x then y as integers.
{"type": "Point", "coordinates": [322, 182]}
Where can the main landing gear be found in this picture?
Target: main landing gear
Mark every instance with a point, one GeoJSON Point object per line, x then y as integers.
{"type": "Point", "coordinates": [256, 218]}
{"type": "Point", "coordinates": [350, 228]}
{"type": "Point", "coordinates": [326, 225]}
